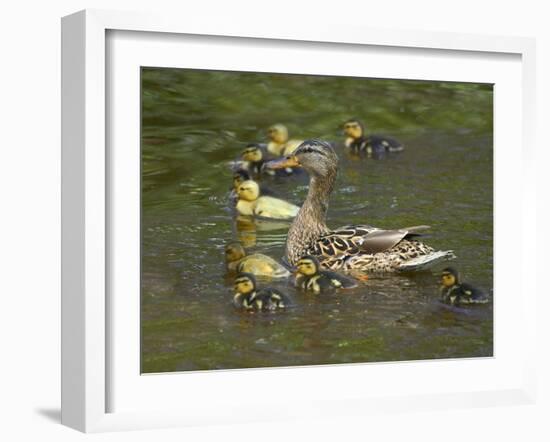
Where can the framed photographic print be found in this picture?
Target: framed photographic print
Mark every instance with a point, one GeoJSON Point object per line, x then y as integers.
{"type": "Point", "coordinates": [290, 222]}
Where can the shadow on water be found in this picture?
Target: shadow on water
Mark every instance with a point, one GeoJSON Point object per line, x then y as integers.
{"type": "Point", "coordinates": [194, 123]}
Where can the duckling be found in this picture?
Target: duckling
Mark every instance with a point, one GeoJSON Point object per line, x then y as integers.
{"type": "Point", "coordinates": [250, 202]}
{"type": "Point", "coordinates": [357, 141]}
{"type": "Point", "coordinates": [247, 296]}
{"type": "Point", "coordinates": [279, 144]}
{"type": "Point", "coordinates": [239, 177]}
{"type": "Point", "coordinates": [310, 277]}
{"type": "Point", "coordinates": [258, 264]}
{"type": "Point", "coordinates": [456, 293]}
{"type": "Point", "coordinates": [254, 157]}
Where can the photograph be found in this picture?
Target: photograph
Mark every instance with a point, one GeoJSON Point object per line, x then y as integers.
{"type": "Point", "coordinates": [302, 220]}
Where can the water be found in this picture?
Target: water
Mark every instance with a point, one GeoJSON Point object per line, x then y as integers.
{"type": "Point", "coordinates": [195, 122]}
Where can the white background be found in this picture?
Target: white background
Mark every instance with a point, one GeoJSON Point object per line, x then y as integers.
{"type": "Point", "coordinates": [131, 392]}
{"type": "Point", "coordinates": [29, 225]}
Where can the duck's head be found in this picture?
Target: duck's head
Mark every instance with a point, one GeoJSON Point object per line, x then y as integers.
{"type": "Point", "coordinates": [449, 277]}
{"type": "Point", "coordinates": [353, 129]}
{"type": "Point", "coordinates": [248, 190]}
{"type": "Point", "coordinates": [278, 133]}
{"type": "Point", "coordinates": [307, 265]}
{"type": "Point", "coordinates": [239, 177]}
{"type": "Point", "coordinates": [252, 153]}
{"type": "Point", "coordinates": [315, 156]}
{"type": "Point", "coordinates": [245, 283]}
{"type": "Point", "coordinates": [234, 251]}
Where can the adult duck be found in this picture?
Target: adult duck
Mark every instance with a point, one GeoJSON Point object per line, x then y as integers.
{"type": "Point", "coordinates": [358, 247]}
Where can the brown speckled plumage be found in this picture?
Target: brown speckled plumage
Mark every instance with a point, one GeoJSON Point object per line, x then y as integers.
{"type": "Point", "coordinates": [359, 247]}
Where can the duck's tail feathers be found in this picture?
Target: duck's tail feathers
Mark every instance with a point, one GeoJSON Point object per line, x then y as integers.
{"type": "Point", "coordinates": [426, 261]}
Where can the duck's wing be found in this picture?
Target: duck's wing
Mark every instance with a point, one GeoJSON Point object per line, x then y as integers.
{"type": "Point", "coordinates": [366, 239]}
{"type": "Point", "coordinates": [381, 240]}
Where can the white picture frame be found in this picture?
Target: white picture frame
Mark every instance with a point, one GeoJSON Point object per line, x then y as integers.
{"type": "Point", "coordinates": [86, 204]}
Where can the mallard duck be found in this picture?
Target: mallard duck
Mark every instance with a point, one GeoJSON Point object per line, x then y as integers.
{"type": "Point", "coordinates": [311, 278]}
{"type": "Point", "coordinates": [459, 293]}
{"type": "Point", "coordinates": [279, 144]}
{"type": "Point", "coordinates": [247, 297]}
{"type": "Point", "coordinates": [359, 142]}
{"type": "Point", "coordinates": [258, 264]}
{"type": "Point", "coordinates": [250, 202]}
{"type": "Point", "coordinates": [357, 247]}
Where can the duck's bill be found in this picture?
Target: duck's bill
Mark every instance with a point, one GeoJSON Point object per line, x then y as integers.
{"type": "Point", "coordinates": [283, 163]}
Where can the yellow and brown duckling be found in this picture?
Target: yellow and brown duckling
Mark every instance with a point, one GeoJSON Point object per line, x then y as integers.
{"type": "Point", "coordinates": [311, 278]}
{"type": "Point", "coordinates": [254, 157]}
{"type": "Point", "coordinates": [455, 292]}
{"type": "Point", "coordinates": [279, 143]}
{"type": "Point", "coordinates": [249, 298]}
{"type": "Point", "coordinates": [240, 176]}
{"type": "Point", "coordinates": [358, 142]}
{"type": "Point", "coordinates": [250, 202]}
{"type": "Point", "coordinates": [257, 264]}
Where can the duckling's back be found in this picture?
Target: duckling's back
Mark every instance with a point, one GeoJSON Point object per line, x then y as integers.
{"type": "Point", "coordinates": [269, 207]}
{"type": "Point", "coordinates": [262, 265]}
{"type": "Point", "coordinates": [271, 299]}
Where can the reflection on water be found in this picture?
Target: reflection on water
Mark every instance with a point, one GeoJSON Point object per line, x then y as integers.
{"type": "Point", "coordinates": [194, 123]}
